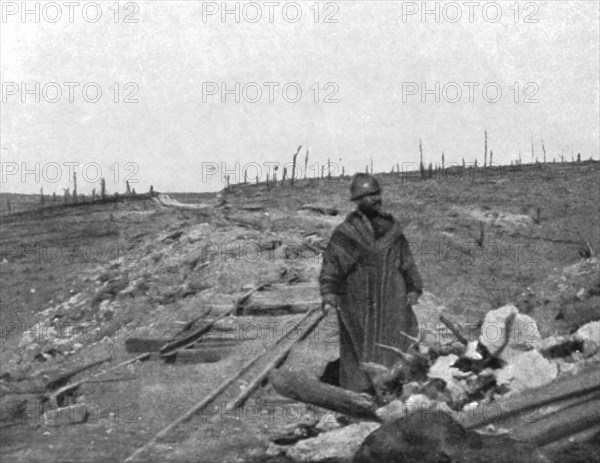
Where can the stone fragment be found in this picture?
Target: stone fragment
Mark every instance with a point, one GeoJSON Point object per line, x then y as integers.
{"type": "Point", "coordinates": [443, 369]}
{"type": "Point", "coordinates": [339, 444]}
{"type": "Point", "coordinates": [71, 414]}
{"type": "Point", "coordinates": [523, 333]}
{"type": "Point", "coordinates": [526, 371]}
{"type": "Point", "coordinates": [589, 334]}
{"type": "Point", "coordinates": [471, 352]}
{"type": "Point", "coordinates": [391, 411]}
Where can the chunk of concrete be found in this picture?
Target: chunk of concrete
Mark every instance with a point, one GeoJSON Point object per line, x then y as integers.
{"type": "Point", "coordinates": [522, 333]}
{"type": "Point", "coordinates": [526, 371]}
{"type": "Point", "coordinates": [471, 352]}
{"type": "Point", "coordinates": [339, 444]}
{"type": "Point", "coordinates": [443, 369]}
{"type": "Point", "coordinates": [589, 334]}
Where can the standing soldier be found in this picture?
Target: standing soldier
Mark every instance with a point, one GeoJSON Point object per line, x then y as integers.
{"type": "Point", "coordinates": [370, 277]}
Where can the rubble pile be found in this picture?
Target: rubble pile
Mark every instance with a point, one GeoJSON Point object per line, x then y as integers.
{"type": "Point", "coordinates": [508, 358]}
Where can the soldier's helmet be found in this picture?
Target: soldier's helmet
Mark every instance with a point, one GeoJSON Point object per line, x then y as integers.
{"type": "Point", "coordinates": [363, 185]}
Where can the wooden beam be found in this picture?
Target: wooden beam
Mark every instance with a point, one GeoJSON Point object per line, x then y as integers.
{"type": "Point", "coordinates": [559, 425]}
{"type": "Point", "coordinates": [210, 398]}
{"type": "Point", "coordinates": [175, 346]}
{"type": "Point", "coordinates": [271, 309]}
{"type": "Point", "coordinates": [561, 389]}
{"type": "Point", "coordinates": [274, 362]}
{"type": "Point", "coordinates": [310, 390]}
{"type": "Point", "coordinates": [205, 355]}
{"type": "Point", "coordinates": [64, 378]}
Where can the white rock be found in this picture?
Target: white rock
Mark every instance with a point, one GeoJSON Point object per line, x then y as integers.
{"type": "Point", "coordinates": [523, 333]}
{"type": "Point", "coordinates": [391, 411]}
{"type": "Point", "coordinates": [340, 444]}
{"type": "Point", "coordinates": [443, 369]}
{"type": "Point", "coordinates": [526, 371]}
{"type": "Point", "coordinates": [589, 334]}
{"type": "Point", "coordinates": [416, 403]}
{"type": "Point", "coordinates": [471, 352]}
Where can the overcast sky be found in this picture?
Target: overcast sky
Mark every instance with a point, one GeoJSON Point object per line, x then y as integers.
{"type": "Point", "coordinates": [368, 67]}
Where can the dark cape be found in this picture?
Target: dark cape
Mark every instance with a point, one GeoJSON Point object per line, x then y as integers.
{"type": "Point", "coordinates": [367, 271]}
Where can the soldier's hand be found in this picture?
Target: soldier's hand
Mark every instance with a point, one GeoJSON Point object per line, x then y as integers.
{"type": "Point", "coordinates": [326, 307]}
{"type": "Point", "coordinates": [412, 298]}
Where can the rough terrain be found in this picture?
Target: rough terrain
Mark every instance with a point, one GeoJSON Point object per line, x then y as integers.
{"type": "Point", "coordinates": [78, 282]}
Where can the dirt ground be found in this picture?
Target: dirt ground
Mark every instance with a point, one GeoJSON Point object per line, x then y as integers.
{"type": "Point", "coordinates": [77, 282]}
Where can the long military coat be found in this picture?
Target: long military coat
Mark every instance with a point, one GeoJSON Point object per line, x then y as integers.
{"type": "Point", "coordinates": [369, 279]}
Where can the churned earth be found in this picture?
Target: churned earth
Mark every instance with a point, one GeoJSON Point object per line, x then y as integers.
{"type": "Point", "coordinates": [78, 282]}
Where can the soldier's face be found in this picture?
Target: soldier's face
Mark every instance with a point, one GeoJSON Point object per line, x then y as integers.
{"type": "Point", "coordinates": [370, 205]}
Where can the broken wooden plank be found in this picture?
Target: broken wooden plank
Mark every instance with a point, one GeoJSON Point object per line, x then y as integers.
{"type": "Point", "coordinates": [188, 326]}
{"type": "Point", "coordinates": [239, 304]}
{"type": "Point", "coordinates": [211, 355]}
{"type": "Point", "coordinates": [561, 389]}
{"type": "Point", "coordinates": [273, 363]}
{"type": "Point", "coordinates": [307, 389]}
{"type": "Point", "coordinates": [64, 378]}
{"type": "Point", "coordinates": [324, 210]}
{"type": "Point", "coordinates": [275, 309]}
{"type": "Point", "coordinates": [211, 397]}
{"type": "Point", "coordinates": [155, 345]}
{"type": "Point", "coordinates": [539, 413]}
{"type": "Point", "coordinates": [559, 425]}
{"type": "Point", "coordinates": [191, 339]}
{"type": "Point", "coordinates": [56, 395]}
{"type": "Point", "coordinates": [586, 435]}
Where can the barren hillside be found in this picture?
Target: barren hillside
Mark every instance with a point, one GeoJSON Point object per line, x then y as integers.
{"type": "Point", "coordinates": [78, 282]}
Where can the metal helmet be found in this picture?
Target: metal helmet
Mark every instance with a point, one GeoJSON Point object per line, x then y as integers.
{"type": "Point", "coordinates": [363, 185]}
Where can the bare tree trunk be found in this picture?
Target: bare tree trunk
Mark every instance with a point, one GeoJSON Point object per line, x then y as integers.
{"type": "Point", "coordinates": [294, 165]}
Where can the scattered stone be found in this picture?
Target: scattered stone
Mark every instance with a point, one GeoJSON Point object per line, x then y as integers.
{"type": "Point", "coordinates": [71, 414]}
{"type": "Point", "coordinates": [565, 367]}
{"type": "Point", "coordinates": [339, 444]}
{"type": "Point", "coordinates": [434, 436]}
{"type": "Point", "coordinates": [391, 411]}
{"type": "Point", "coordinates": [506, 332]}
{"type": "Point", "coordinates": [589, 334]}
{"type": "Point", "coordinates": [443, 369]}
{"type": "Point", "coordinates": [526, 371]}
{"type": "Point", "coordinates": [471, 352]}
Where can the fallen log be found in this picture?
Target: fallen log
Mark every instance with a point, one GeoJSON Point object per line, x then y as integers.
{"type": "Point", "coordinates": [310, 390]}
